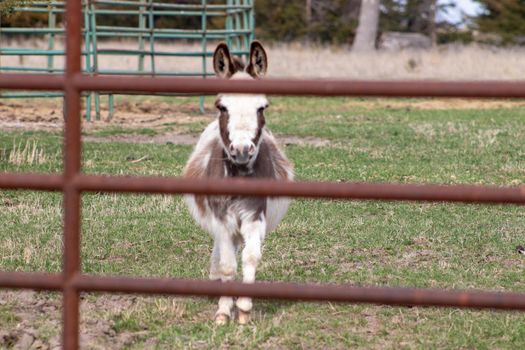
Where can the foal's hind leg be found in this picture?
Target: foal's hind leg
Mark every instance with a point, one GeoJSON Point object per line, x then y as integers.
{"type": "Point", "coordinates": [224, 266]}
{"type": "Point", "coordinates": [253, 234]}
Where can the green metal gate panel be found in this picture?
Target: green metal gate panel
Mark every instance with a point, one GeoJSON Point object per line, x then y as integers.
{"type": "Point", "coordinates": [238, 32]}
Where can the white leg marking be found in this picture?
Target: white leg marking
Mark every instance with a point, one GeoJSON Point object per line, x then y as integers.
{"type": "Point", "coordinates": [227, 269]}
{"type": "Point", "coordinates": [253, 233]}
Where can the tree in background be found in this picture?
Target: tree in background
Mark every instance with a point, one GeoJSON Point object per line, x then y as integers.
{"type": "Point", "coordinates": [365, 39]}
{"type": "Point", "coordinates": [505, 18]}
{"type": "Point", "coordinates": [420, 16]}
{"type": "Point", "coordinates": [328, 21]}
{"type": "Point", "coordinates": [6, 6]}
{"type": "Point", "coordinates": [10, 18]}
{"type": "Point", "coordinates": [280, 20]}
{"type": "Point", "coordinates": [411, 16]}
{"type": "Point", "coordinates": [334, 21]}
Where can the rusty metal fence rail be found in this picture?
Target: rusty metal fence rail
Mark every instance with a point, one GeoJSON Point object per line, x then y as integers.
{"type": "Point", "coordinates": [71, 282]}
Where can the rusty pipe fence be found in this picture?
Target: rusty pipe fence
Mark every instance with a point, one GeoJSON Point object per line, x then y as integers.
{"type": "Point", "coordinates": [72, 183]}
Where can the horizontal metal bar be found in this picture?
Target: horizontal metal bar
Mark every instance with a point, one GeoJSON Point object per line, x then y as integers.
{"type": "Point", "coordinates": [156, 94]}
{"type": "Point", "coordinates": [171, 31]}
{"type": "Point", "coordinates": [310, 87]}
{"type": "Point", "coordinates": [31, 69]}
{"type": "Point", "coordinates": [33, 30]}
{"type": "Point", "coordinates": [30, 94]}
{"type": "Point", "coordinates": [398, 192]}
{"type": "Point", "coordinates": [28, 181]}
{"type": "Point", "coordinates": [31, 280]}
{"type": "Point", "coordinates": [155, 53]}
{"type": "Point", "coordinates": [162, 53]}
{"type": "Point", "coordinates": [47, 3]}
{"type": "Point", "coordinates": [156, 12]}
{"type": "Point", "coordinates": [305, 292]}
{"type": "Point", "coordinates": [478, 89]}
{"type": "Point", "coordinates": [265, 290]}
{"type": "Point", "coordinates": [25, 94]}
{"type": "Point", "coordinates": [44, 52]}
{"type": "Point", "coordinates": [33, 52]}
{"type": "Point", "coordinates": [175, 6]}
{"type": "Point", "coordinates": [158, 35]}
{"type": "Point", "coordinates": [156, 73]}
{"type": "Point", "coordinates": [127, 31]}
{"type": "Point", "coordinates": [32, 81]}
{"type": "Point", "coordinates": [39, 9]}
{"type": "Point", "coordinates": [359, 191]}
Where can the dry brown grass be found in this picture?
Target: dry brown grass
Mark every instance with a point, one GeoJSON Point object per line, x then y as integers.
{"type": "Point", "coordinates": [294, 60]}
{"type": "Point", "coordinates": [30, 154]}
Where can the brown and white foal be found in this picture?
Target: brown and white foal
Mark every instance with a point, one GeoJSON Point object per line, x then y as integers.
{"type": "Point", "coordinates": [237, 144]}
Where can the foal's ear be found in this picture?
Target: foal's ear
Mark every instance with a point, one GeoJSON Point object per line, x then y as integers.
{"type": "Point", "coordinates": [258, 64]}
{"type": "Point", "coordinates": [223, 62]}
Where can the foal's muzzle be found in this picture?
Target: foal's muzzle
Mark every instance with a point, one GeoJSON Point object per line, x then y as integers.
{"type": "Point", "coordinates": [242, 154]}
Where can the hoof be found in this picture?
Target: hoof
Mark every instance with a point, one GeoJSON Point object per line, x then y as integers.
{"type": "Point", "coordinates": [221, 319]}
{"type": "Point", "coordinates": [244, 317]}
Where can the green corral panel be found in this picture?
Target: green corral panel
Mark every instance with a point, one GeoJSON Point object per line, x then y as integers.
{"type": "Point", "coordinates": [238, 32]}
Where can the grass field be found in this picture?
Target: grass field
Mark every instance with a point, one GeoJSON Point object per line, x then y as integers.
{"type": "Point", "coordinates": [361, 243]}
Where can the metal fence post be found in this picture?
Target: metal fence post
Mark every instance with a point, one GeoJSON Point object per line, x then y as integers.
{"type": "Point", "coordinates": [87, 47]}
{"type": "Point", "coordinates": [151, 16]}
{"type": "Point", "coordinates": [204, 44]}
{"type": "Point", "coordinates": [94, 51]}
{"type": "Point", "coordinates": [72, 168]}
{"type": "Point", "coordinates": [142, 26]}
{"type": "Point", "coordinates": [51, 20]}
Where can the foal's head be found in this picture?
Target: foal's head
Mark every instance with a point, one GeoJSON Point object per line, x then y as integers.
{"type": "Point", "coordinates": [241, 116]}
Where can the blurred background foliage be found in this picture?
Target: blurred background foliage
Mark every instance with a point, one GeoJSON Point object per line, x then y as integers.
{"type": "Point", "coordinates": [501, 22]}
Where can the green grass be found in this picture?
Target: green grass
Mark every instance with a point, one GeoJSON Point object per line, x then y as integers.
{"type": "Point", "coordinates": [363, 243]}
{"type": "Point", "coordinates": [7, 317]}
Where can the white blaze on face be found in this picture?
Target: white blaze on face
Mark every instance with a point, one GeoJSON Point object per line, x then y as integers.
{"type": "Point", "coordinates": [242, 112]}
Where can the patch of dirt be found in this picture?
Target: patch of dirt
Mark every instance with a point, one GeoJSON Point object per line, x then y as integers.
{"type": "Point", "coordinates": [168, 138]}
{"type": "Point", "coordinates": [36, 322]}
{"type": "Point", "coordinates": [303, 141]}
{"type": "Point", "coordinates": [372, 323]}
{"type": "Point", "coordinates": [47, 115]}
{"type": "Point", "coordinates": [40, 114]}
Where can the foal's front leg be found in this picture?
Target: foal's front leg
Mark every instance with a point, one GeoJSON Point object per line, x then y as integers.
{"type": "Point", "coordinates": [253, 233]}
{"type": "Point", "coordinates": [223, 267]}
